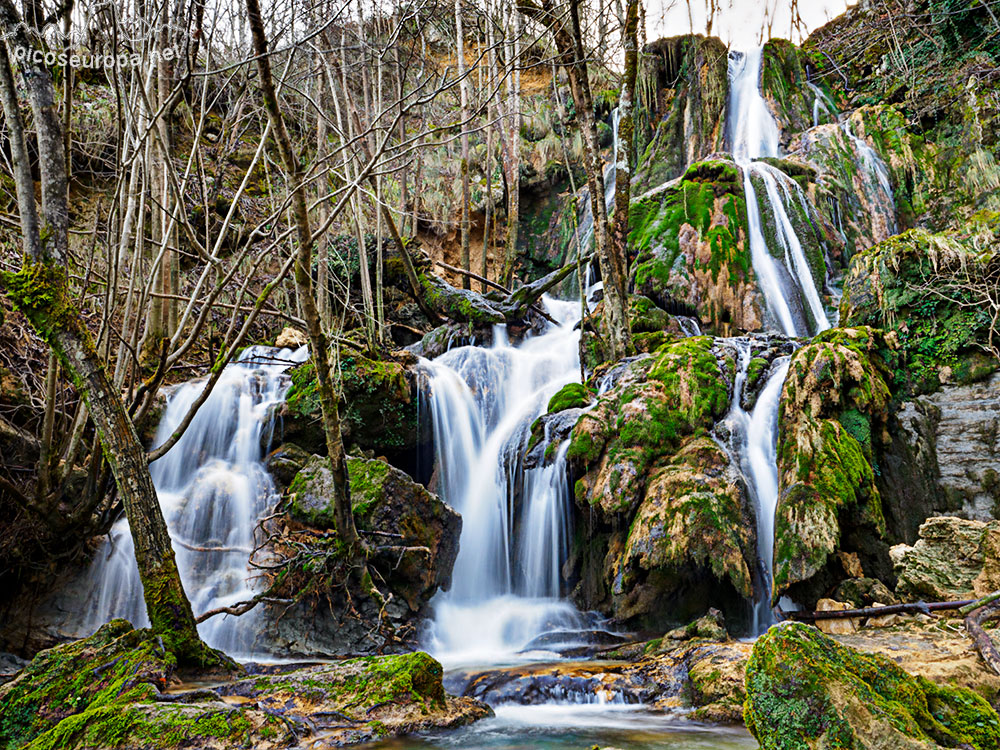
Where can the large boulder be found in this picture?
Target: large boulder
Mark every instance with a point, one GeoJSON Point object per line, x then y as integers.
{"type": "Point", "coordinates": [953, 559]}
{"type": "Point", "coordinates": [691, 239]}
{"type": "Point", "coordinates": [379, 407]}
{"type": "Point", "coordinates": [413, 537]}
{"type": "Point", "coordinates": [668, 527]}
{"type": "Point", "coordinates": [832, 425]}
{"type": "Point", "coordinates": [804, 690]}
{"type": "Point", "coordinates": [110, 691]}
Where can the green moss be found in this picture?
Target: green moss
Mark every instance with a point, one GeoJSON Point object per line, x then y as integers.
{"type": "Point", "coordinates": [920, 286]}
{"type": "Point", "coordinates": [377, 408]}
{"type": "Point", "coordinates": [570, 396]}
{"type": "Point", "coordinates": [804, 689]}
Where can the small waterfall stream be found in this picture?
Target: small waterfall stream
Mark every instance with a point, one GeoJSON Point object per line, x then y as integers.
{"type": "Point", "coordinates": [213, 488]}
{"type": "Point", "coordinates": [789, 290]}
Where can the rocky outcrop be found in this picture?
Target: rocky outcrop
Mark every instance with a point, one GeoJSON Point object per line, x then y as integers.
{"type": "Point", "coordinates": [668, 525]}
{"type": "Point", "coordinates": [379, 407]}
{"type": "Point", "coordinates": [934, 292]}
{"type": "Point", "coordinates": [806, 690]}
{"type": "Point", "coordinates": [833, 418]}
{"type": "Point", "coordinates": [953, 559]}
{"type": "Point", "coordinates": [112, 690]}
{"type": "Point", "coordinates": [691, 239]}
{"type": "Point", "coordinates": [786, 75]}
{"type": "Point", "coordinates": [683, 92]}
{"type": "Point", "coordinates": [945, 455]}
{"type": "Point", "coordinates": [413, 539]}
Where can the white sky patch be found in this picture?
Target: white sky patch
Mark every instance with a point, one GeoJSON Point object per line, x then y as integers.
{"type": "Point", "coordinates": [742, 24]}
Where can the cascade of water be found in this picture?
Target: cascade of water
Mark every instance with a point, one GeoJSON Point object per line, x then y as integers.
{"type": "Point", "coordinates": [213, 488]}
{"type": "Point", "coordinates": [753, 132]}
{"type": "Point", "coordinates": [753, 436]}
{"type": "Point", "coordinates": [515, 533]}
{"type": "Point", "coordinates": [874, 164]}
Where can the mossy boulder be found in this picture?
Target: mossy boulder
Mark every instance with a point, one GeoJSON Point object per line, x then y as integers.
{"type": "Point", "coordinates": [668, 528]}
{"type": "Point", "coordinates": [387, 502]}
{"type": "Point", "coordinates": [932, 291]}
{"type": "Point", "coordinates": [832, 426]}
{"type": "Point", "coordinates": [109, 691]}
{"type": "Point", "coordinates": [691, 242]}
{"type": "Point", "coordinates": [804, 690]}
{"type": "Point", "coordinates": [379, 407]}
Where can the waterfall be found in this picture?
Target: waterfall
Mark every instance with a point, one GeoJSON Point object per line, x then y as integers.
{"type": "Point", "coordinates": [213, 488]}
{"type": "Point", "coordinates": [506, 586]}
{"type": "Point", "coordinates": [793, 300]}
{"type": "Point", "coordinates": [788, 287]}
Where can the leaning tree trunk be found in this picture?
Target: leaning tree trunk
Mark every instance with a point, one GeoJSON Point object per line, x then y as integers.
{"type": "Point", "coordinates": [328, 397]}
{"type": "Point", "coordinates": [40, 290]}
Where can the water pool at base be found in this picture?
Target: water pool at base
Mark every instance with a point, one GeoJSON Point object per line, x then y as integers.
{"type": "Point", "coordinates": [558, 727]}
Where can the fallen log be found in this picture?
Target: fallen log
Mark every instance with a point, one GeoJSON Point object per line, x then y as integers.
{"type": "Point", "coordinates": [892, 609]}
{"type": "Point", "coordinates": [455, 269]}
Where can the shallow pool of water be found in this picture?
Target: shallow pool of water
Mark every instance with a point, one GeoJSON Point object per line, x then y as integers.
{"type": "Point", "coordinates": [575, 727]}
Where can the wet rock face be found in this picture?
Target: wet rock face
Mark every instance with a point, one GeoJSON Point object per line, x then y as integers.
{"type": "Point", "coordinates": [806, 690]}
{"type": "Point", "coordinates": [953, 559]}
{"type": "Point", "coordinates": [413, 536]}
{"type": "Point", "coordinates": [110, 691]}
{"type": "Point", "coordinates": [688, 83]}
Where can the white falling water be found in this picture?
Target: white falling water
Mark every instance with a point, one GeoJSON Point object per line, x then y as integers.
{"type": "Point", "coordinates": [790, 292]}
{"type": "Point", "coordinates": [788, 287]}
{"type": "Point", "coordinates": [213, 488]}
{"type": "Point", "coordinates": [505, 588]}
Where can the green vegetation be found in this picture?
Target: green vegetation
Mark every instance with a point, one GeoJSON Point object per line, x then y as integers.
{"type": "Point", "coordinates": [806, 690]}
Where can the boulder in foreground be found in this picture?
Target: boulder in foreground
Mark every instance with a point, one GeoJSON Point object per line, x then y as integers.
{"type": "Point", "coordinates": [805, 690]}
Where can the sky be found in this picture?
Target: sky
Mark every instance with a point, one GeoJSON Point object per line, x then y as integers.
{"type": "Point", "coordinates": [739, 23]}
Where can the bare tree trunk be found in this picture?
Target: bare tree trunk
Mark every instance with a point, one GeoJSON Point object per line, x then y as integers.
{"type": "Point", "coordinates": [569, 47]}
{"type": "Point", "coordinates": [513, 153]}
{"type": "Point", "coordinates": [625, 158]}
{"type": "Point", "coordinates": [40, 289]}
{"type": "Point", "coordinates": [328, 397]}
{"type": "Point", "coordinates": [464, 93]}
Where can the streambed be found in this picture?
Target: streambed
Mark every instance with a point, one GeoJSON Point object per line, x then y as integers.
{"type": "Point", "coordinates": [579, 727]}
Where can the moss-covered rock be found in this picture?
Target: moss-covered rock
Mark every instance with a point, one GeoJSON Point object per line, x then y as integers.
{"type": "Point", "coordinates": [690, 240]}
{"type": "Point", "coordinates": [804, 690]}
{"type": "Point", "coordinates": [386, 501]}
{"type": "Point", "coordinates": [832, 425]}
{"type": "Point", "coordinates": [667, 514]}
{"type": "Point", "coordinates": [108, 691]}
{"type": "Point", "coordinates": [682, 87]}
{"type": "Point", "coordinates": [932, 291]}
{"type": "Point", "coordinates": [379, 408]}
